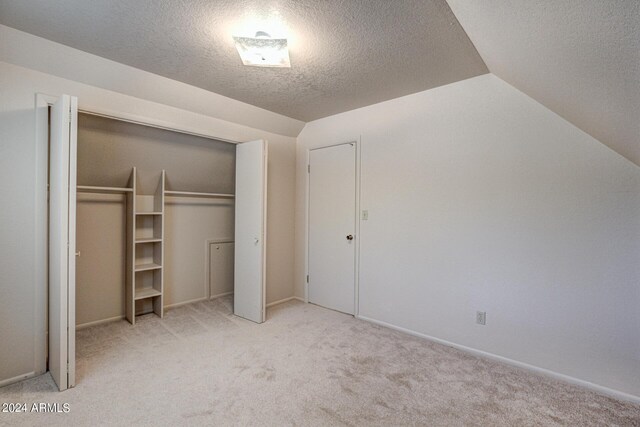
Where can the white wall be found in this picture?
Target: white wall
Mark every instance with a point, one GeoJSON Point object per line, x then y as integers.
{"type": "Point", "coordinates": [479, 198]}
{"type": "Point", "coordinates": [19, 249]}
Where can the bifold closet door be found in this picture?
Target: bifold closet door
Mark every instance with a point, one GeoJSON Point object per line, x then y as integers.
{"type": "Point", "coordinates": [62, 240]}
{"type": "Point", "coordinates": [250, 230]}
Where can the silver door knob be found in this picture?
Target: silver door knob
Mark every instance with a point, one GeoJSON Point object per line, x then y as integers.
{"type": "Point", "coordinates": [350, 237]}
{"type": "Point", "coordinates": [256, 240]}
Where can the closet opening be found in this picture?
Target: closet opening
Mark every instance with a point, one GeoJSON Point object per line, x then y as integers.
{"type": "Point", "coordinates": [153, 224]}
{"type": "Point", "coordinates": [148, 201]}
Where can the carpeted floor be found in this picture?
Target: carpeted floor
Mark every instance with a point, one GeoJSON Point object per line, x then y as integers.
{"type": "Point", "coordinates": [306, 365]}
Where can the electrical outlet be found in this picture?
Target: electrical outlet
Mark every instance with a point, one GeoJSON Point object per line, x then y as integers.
{"type": "Point", "coordinates": [365, 215]}
{"type": "Point", "coordinates": [481, 317]}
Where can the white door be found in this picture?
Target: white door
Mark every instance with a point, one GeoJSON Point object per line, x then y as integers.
{"type": "Point", "coordinates": [62, 241]}
{"type": "Point", "coordinates": [332, 225]}
{"type": "Point", "coordinates": [250, 231]}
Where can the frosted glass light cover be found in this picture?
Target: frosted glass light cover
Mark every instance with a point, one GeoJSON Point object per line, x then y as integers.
{"type": "Point", "coordinates": [263, 52]}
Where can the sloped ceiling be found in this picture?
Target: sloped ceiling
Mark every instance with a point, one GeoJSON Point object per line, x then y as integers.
{"type": "Point", "coordinates": [581, 59]}
{"type": "Point", "coordinates": [344, 54]}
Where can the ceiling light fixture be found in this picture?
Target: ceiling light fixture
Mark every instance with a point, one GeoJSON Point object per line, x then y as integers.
{"type": "Point", "coordinates": [263, 51]}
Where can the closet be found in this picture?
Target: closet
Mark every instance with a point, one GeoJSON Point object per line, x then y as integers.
{"type": "Point", "coordinates": [149, 202]}
{"type": "Point", "coordinates": [144, 218]}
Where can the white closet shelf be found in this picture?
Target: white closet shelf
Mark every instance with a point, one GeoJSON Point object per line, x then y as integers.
{"type": "Point", "coordinates": [144, 274]}
{"type": "Point", "coordinates": [149, 240]}
{"type": "Point", "coordinates": [143, 293]}
{"type": "Point", "coordinates": [94, 189]}
{"type": "Point", "coordinates": [147, 267]}
{"type": "Point", "coordinates": [196, 194]}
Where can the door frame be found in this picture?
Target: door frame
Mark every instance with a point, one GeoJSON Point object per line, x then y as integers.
{"type": "Point", "coordinates": [42, 103]}
{"type": "Point", "coordinates": [62, 243]}
{"type": "Point", "coordinates": [356, 280]}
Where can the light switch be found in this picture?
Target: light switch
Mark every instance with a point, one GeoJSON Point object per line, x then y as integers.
{"type": "Point", "coordinates": [365, 215]}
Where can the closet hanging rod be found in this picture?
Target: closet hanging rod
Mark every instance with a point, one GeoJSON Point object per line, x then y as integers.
{"type": "Point", "coordinates": [195, 194]}
{"type": "Point", "coordinates": [93, 189]}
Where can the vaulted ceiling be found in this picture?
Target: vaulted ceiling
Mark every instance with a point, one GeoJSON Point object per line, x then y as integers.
{"type": "Point", "coordinates": [581, 58]}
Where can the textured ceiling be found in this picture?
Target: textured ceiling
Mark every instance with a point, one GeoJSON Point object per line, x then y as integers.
{"type": "Point", "coordinates": [344, 54]}
{"type": "Point", "coordinates": [580, 59]}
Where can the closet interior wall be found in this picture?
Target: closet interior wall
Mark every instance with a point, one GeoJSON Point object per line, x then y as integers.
{"type": "Point", "coordinates": [108, 150]}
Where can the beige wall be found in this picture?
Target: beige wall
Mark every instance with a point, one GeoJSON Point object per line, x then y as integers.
{"type": "Point", "coordinates": [100, 268]}
{"type": "Point", "coordinates": [190, 223]}
{"type": "Point", "coordinates": [108, 149]}
{"type": "Point", "coordinates": [22, 250]}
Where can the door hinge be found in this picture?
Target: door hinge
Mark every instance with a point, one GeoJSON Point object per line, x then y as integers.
{"type": "Point", "coordinates": [308, 168]}
{"type": "Point", "coordinates": [307, 278]}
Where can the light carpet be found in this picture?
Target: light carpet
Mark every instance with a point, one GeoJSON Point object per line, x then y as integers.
{"type": "Point", "coordinates": [306, 365]}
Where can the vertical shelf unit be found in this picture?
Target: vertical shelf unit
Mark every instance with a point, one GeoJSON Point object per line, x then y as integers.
{"type": "Point", "coordinates": [145, 250]}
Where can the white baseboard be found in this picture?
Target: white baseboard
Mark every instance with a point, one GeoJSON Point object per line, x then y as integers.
{"type": "Point", "coordinates": [220, 295]}
{"type": "Point", "coordinates": [562, 377]}
{"type": "Point", "coordinates": [178, 304]}
{"type": "Point", "coordinates": [281, 301]}
{"type": "Point", "coordinates": [99, 322]}
{"type": "Point", "coordinates": [19, 378]}
{"type": "Point", "coordinates": [116, 318]}
{"type": "Point", "coordinates": [271, 304]}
